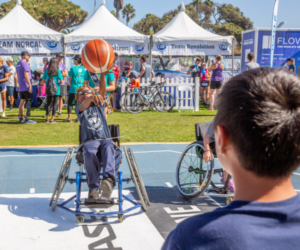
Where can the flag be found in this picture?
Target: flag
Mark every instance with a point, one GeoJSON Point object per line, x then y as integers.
{"type": "Point", "coordinates": [273, 36]}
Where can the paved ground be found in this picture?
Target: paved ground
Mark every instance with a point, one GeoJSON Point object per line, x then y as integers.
{"type": "Point", "coordinates": [27, 180]}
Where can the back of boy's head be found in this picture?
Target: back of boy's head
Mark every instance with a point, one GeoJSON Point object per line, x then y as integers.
{"type": "Point", "coordinates": [260, 113]}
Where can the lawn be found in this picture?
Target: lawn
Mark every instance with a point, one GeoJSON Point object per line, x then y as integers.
{"type": "Point", "coordinates": [148, 126]}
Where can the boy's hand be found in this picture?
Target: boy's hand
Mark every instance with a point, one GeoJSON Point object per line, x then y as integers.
{"type": "Point", "coordinates": [207, 156]}
{"type": "Point", "coordinates": [98, 99]}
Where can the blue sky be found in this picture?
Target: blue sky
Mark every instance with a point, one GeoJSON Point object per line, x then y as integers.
{"type": "Point", "coordinates": [259, 11]}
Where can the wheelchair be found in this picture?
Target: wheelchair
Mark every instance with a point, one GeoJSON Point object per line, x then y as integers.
{"type": "Point", "coordinates": [194, 176]}
{"type": "Point", "coordinates": [63, 178]}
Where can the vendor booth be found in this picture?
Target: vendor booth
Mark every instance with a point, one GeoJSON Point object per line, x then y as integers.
{"type": "Point", "coordinates": [20, 31]}
{"type": "Point", "coordinates": [183, 37]}
{"type": "Point", "coordinates": [103, 25]}
{"type": "Point", "coordinates": [258, 41]}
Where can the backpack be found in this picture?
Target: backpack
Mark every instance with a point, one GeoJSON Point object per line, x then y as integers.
{"type": "Point", "coordinates": [51, 88]}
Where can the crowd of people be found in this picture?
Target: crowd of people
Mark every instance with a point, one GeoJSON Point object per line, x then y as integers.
{"type": "Point", "coordinates": [53, 76]}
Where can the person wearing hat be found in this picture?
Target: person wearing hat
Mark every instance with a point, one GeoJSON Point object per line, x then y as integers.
{"type": "Point", "coordinates": [76, 79]}
{"type": "Point", "coordinates": [64, 72]}
{"type": "Point", "coordinates": [10, 84]}
{"type": "Point", "coordinates": [46, 63]}
{"type": "Point", "coordinates": [24, 87]}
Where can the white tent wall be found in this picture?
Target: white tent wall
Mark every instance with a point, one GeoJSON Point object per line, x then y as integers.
{"type": "Point", "coordinates": [20, 31]}
{"type": "Point", "coordinates": [103, 25]}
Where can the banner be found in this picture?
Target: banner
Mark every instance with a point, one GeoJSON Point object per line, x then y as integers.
{"type": "Point", "coordinates": [32, 46]}
{"type": "Point", "coordinates": [182, 48]}
{"type": "Point", "coordinates": [247, 47]}
{"type": "Point", "coordinates": [121, 47]}
{"type": "Point", "coordinates": [287, 45]}
{"type": "Point", "coordinates": [274, 31]}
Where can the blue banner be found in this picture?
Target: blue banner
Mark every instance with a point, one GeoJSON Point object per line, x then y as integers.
{"type": "Point", "coordinates": [287, 45]}
{"type": "Point", "coordinates": [248, 46]}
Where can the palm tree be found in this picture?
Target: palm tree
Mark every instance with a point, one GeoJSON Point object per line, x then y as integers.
{"type": "Point", "coordinates": [114, 13]}
{"type": "Point", "coordinates": [128, 12]}
{"type": "Point", "coordinates": [67, 31]}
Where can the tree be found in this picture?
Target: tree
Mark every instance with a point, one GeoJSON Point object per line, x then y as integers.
{"type": "Point", "coordinates": [55, 14]}
{"type": "Point", "coordinates": [149, 25]}
{"type": "Point", "coordinates": [113, 13]}
{"type": "Point", "coordinates": [119, 4]}
{"type": "Point", "coordinates": [128, 12]}
{"type": "Point", "coordinates": [67, 31]}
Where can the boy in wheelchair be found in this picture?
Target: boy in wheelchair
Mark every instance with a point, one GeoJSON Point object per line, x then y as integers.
{"type": "Point", "coordinates": [258, 142]}
{"type": "Point", "coordinates": [90, 111]}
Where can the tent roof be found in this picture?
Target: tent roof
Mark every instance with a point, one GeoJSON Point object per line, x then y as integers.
{"type": "Point", "coordinates": [18, 24]}
{"type": "Point", "coordinates": [182, 28]}
{"type": "Point", "coordinates": [103, 25]}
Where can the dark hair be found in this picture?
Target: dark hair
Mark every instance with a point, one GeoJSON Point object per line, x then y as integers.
{"type": "Point", "coordinates": [144, 58]}
{"type": "Point", "coordinates": [260, 113]}
{"type": "Point", "coordinates": [53, 67]}
{"type": "Point", "coordinates": [289, 60]}
{"type": "Point", "coordinates": [36, 75]}
{"type": "Point", "coordinates": [250, 56]}
{"type": "Point", "coordinates": [219, 57]}
{"type": "Point", "coordinates": [199, 59]}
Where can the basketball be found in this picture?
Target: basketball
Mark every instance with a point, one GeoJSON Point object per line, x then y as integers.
{"type": "Point", "coordinates": [97, 56]}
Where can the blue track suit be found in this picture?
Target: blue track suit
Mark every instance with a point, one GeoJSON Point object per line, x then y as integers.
{"type": "Point", "coordinates": [94, 126]}
{"type": "Point", "coordinates": [92, 161]}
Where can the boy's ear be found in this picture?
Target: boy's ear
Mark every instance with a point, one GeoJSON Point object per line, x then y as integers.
{"type": "Point", "coordinates": [221, 139]}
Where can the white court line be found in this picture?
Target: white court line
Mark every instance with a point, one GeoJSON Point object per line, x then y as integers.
{"type": "Point", "coordinates": [139, 152]}
{"type": "Point", "coordinates": [169, 184]}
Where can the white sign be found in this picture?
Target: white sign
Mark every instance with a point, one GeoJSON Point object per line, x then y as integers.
{"type": "Point", "coordinates": [32, 46]}
{"type": "Point", "coordinates": [121, 47]}
{"type": "Point", "coordinates": [182, 48]}
{"type": "Point", "coordinates": [274, 31]}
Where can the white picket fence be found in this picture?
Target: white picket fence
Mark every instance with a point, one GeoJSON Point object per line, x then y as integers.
{"type": "Point", "coordinates": [172, 87]}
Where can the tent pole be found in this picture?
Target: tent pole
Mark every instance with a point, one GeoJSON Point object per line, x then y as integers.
{"type": "Point", "coordinates": [232, 57]}
{"type": "Point", "coordinates": [65, 63]}
{"type": "Point", "coordinates": [151, 45]}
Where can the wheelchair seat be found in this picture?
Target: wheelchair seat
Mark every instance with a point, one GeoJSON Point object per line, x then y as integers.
{"type": "Point", "coordinates": [200, 130]}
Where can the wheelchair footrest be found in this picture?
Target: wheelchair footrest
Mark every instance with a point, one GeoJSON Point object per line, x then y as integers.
{"type": "Point", "coordinates": [101, 203]}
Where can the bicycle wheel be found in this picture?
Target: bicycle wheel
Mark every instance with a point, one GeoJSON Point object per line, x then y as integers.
{"type": "Point", "coordinates": [193, 175]}
{"type": "Point", "coordinates": [164, 101]}
{"type": "Point", "coordinates": [133, 103]}
{"type": "Point", "coordinates": [121, 102]}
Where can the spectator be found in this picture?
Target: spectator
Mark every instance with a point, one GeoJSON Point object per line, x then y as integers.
{"type": "Point", "coordinates": [205, 76]}
{"type": "Point", "coordinates": [64, 73]}
{"type": "Point", "coordinates": [216, 80]}
{"type": "Point", "coordinates": [24, 86]}
{"type": "Point", "coordinates": [41, 88]}
{"type": "Point", "coordinates": [76, 79]}
{"type": "Point", "coordinates": [4, 74]}
{"type": "Point", "coordinates": [290, 65]}
{"type": "Point", "coordinates": [257, 135]}
{"type": "Point", "coordinates": [52, 72]}
{"type": "Point", "coordinates": [116, 69]}
{"type": "Point", "coordinates": [146, 70]}
{"type": "Point", "coordinates": [46, 63]}
{"type": "Point", "coordinates": [251, 62]}
{"type": "Point", "coordinates": [195, 69]}
{"type": "Point", "coordinates": [10, 85]}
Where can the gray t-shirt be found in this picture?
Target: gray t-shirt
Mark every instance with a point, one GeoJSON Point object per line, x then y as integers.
{"type": "Point", "coordinates": [93, 123]}
{"type": "Point", "coordinates": [147, 73]}
{"type": "Point", "coordinates": [210, 131]}
{"type": "Point", "coordinates": [252, 65]}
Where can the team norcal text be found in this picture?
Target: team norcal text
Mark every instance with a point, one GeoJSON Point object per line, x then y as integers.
{"type": "Point", "coordinates": [20, 44]}
{"type": "Point", "coordinates": [188, 46]}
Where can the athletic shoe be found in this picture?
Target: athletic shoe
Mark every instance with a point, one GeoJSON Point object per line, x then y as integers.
{"type": "Point", "coordinates": [93, 195]}
{"type": "Point", "coordinates": [59, 115]}
{"type": "Point", "coordinates": [28, 114]}
{"type": "Point", "coordinates": [106, 189]}
{"type": "Point", "coordinates": [53, 122]}
{"type": "Point", "coordinates": [3, 115]}
{"type": "Point", "coordinates": [230, 185]}
{"type": "Point", "coordinates": [47, 121]}
{"type": "Point", "coordinates": [67, 120]}
{"type": "Point", "coordinates": [10, 109]}
{"type": "Point", "coordinates": [22, 120]}
{"type": "Point", "coordinates": [210, 109]}
{"type": "Point", "coordinates": [29, 122]}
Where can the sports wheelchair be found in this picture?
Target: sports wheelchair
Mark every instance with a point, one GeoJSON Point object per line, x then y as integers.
{"type": "Point", "coordinates": [63, 178]}
{"type": "Point", "coordinates": [194, 176]}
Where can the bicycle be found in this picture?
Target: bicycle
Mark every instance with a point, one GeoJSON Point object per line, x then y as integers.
{"type": "Point", "coordinates": [161, 101]}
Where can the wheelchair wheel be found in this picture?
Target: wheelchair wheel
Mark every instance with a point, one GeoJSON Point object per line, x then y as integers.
{"type": "Point", "coordinates": [62, 178]}
{"type": "Point", "coordinates": [193, 175]}
{"type": "Point", "coordinates": [137, 180]}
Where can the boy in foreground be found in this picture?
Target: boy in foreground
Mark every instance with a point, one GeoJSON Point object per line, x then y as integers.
{"type": "Point", "coordinates": [258, 142]}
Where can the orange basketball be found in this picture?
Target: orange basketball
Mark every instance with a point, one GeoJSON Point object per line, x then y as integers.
{"type": "Point", "coordinates": [97, 56]}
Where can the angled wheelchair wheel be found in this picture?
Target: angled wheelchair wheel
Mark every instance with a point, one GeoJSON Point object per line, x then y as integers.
{"type": "Point", "coordinates": [193, 175]}
{"type": "Point", "coordinates": [62, 178]}
{"type": "Point", "coordinates": [137, 180]}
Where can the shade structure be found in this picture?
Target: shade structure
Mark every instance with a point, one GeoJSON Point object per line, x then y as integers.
{"type": "Point", "coordinates": [103, 25]}
{"type": "Point", "coordinates": [20, 31]}
{"type": "Point", "coordinates": [182, 36]}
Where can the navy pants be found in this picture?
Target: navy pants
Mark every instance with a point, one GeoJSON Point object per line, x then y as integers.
{"type": "Point", "coordinates": [95, 152]}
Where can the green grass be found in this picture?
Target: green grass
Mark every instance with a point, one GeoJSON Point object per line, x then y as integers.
{"type": "Point", "coordinates": [148, 126]}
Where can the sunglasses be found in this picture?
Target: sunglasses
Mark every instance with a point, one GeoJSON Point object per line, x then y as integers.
{"type": "Point", "coordinates": [85, 91]}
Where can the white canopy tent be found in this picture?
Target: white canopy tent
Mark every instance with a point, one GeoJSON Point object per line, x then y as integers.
{"type": "Point", "coordinates": [20, 31]}
{"type": "Point", "coordinates": [182, 36]}
{"type": "Point", "coordinates": [103, 25]}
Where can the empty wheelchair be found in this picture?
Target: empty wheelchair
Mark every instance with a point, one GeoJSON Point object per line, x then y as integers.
{"type": "Point", "coordinates": [80, 203]}
{"type": "Point", "coordinates": [194, 176]}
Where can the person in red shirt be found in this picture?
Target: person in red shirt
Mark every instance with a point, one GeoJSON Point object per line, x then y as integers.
{"type": "Point", "coordinates": [116, 69]}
